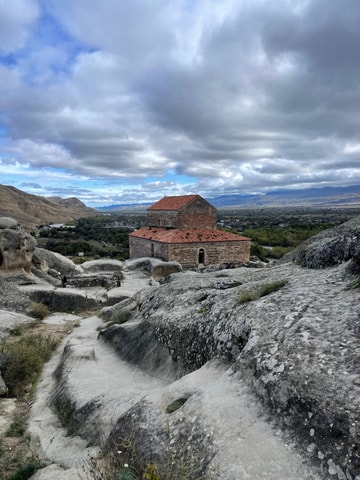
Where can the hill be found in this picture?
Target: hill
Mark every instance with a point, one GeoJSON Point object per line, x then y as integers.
{"type": "Point", "coordinates": [30, 210]}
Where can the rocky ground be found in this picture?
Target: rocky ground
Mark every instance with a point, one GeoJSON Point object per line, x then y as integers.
{"type": "Point", "coordinates": [229, 374]}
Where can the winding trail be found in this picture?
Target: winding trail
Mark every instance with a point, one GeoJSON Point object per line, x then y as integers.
{"type": "Point", "coordinates": [247, 445]}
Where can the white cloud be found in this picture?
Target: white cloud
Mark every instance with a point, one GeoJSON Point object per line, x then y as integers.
{"type": "Point", "coordinates": [232, 95]}
{"type": "Point", "coordinates": [16, 18]}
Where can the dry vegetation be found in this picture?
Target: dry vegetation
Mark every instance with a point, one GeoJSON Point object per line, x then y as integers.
{"type": "Point", "coordinates": [22, 356]}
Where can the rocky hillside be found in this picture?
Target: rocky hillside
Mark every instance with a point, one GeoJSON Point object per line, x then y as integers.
{"type": "Point", "coordinates": [30, 210]}
{"type": "Point", "coordinates": [227, 374]}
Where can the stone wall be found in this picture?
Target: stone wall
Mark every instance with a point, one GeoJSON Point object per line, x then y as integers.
{"type": "Point", "coordinates": [197, 215]}
{"type": "Point", "coordinates": [140, 247]}
{"type": "Point", "coordinates": [189, 255]}
{"type": "Point", "coordinates": [162, 218]}
{"type": "Point", "coordinates": [211, 253]}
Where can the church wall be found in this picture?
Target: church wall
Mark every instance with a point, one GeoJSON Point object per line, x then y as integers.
{"type": "Point", "coordinates": [187, 255]}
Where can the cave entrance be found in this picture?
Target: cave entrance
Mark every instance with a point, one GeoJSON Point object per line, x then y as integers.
{"type": "Point", "coordinates": [201, 255]}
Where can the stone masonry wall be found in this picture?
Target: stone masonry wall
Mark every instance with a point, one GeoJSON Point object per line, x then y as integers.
{"type": "Point", "coordinates": [187, 255]}
{"type": "Point", "coordinates": [162, 218]}
{"type": "Point", "coordinates": [140, 247]}
{"type": "Point", "coordinates": [196, 215]}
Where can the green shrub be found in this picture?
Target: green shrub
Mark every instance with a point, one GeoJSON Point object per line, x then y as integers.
{"type": "Point", "coordinates": [21, 361]}
{"type": "Point", "coordinates": [19, 330]}
{"type": "Point", "coordinates": [278, 251]}
{"type": "Point", "coordinates": [126, 474]}
{"type": "Point", "coordinates": [246, 297]}
{"type": "Point", "coordinates": [118, 319]}
{"type": "Point", "coordinates": [26, 471]}
{"type": "Point", "coordinates": [354, 284]}
{"type": "Point", "coordinates": [271, 287]}
{"type": "Point", "coordinates": [16, 429]}
{"type": "Point", "coordinates": [175, 405]}
{"type": "Point", "coordinates": [38, 310]}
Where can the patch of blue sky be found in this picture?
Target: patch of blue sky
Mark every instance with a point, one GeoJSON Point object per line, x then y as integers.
{"type": "Point", "coordinates": [8, 60]}
{"type": "Point", "coordinates": [49, 47]}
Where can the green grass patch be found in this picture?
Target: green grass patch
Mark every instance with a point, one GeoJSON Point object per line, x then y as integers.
{"type": "Point", "coordinates": [264, 290]}
{"type": "Point", "coordinates": [271, 287]}
{"type": "Point", "coordinates": [16, 429]}
{"type": "Point", "coordinates": [246, 297]}
{"type": "Point", "coordinates": [38, 310]}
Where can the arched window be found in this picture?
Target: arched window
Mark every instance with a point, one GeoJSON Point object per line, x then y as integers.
{"type": "Point", "coordinates": [201, 255]}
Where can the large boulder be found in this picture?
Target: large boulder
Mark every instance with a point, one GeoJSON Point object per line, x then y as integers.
{"type": "Point", "coordinates": [158, 269]}
{"type": "Point", "coordinates": [7, 222]}
{"type": "Point", "coordinates": [16, 250]}
{"type": "Point", "coordinates": [54, 264]}
{"type": "Point", "coordinates": [330, 247]}
{"type": "Point", "coordinates": [102, 265]}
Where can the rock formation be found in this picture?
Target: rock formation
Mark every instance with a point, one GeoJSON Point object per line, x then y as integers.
{"type": "Point", "coordinates": [16, 247]}
{"type": "Point", "coordinates": [240, 373]}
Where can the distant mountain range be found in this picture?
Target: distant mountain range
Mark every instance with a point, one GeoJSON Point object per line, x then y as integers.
{"type": "Point", "coordinates": [310, 197]}
{"type": "Point", "coordinates": [30, 210]}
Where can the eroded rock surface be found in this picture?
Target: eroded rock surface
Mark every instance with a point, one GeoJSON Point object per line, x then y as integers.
{"type": "Point", "coordinates": [330, 247]}
{"type": "Point", "coordinates": [261, 365]}
{"type": "Point", "coordinates": [297, 348]}
{"type": "Point", "coordinates": [16, 250]}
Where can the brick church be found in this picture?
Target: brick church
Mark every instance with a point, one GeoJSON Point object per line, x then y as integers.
{"type": "Point", "coordinates": [183, 228]}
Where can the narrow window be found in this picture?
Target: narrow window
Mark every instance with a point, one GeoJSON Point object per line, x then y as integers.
{"type": "Point", "coordinates": [152, 249]}
{"type": "Point", "coordinates": [201, 255]}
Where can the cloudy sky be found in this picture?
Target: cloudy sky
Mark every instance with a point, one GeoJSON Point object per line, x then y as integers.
{"type": "Point", "coordinates": [121, 101]}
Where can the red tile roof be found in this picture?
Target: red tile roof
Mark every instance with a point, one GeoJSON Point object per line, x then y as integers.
{"type": "Point", "coordinates": [164, 235]}
{"type": "Point", "coordinates": [173, 203]}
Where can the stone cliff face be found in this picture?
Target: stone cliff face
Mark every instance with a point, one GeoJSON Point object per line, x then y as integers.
{"type": "Point", "coordinates": [297, 348]}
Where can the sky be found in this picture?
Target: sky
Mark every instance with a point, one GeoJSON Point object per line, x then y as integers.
{"type": "Point", "coordinates": [127, 101]}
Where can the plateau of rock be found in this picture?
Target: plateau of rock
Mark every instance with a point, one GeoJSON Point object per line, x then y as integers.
{"type": "Point", "coordinates": [229, 374]}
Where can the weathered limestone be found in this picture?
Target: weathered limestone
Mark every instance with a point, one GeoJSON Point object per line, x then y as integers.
{"type": "Point", "coordinates": [54, 264]}
{"type": "Point", "coordinates": [16, 248]}
{"type": "Point", "coordinates": [7, 222]}
{"type": "Point", "coordinates": [330, 247]}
